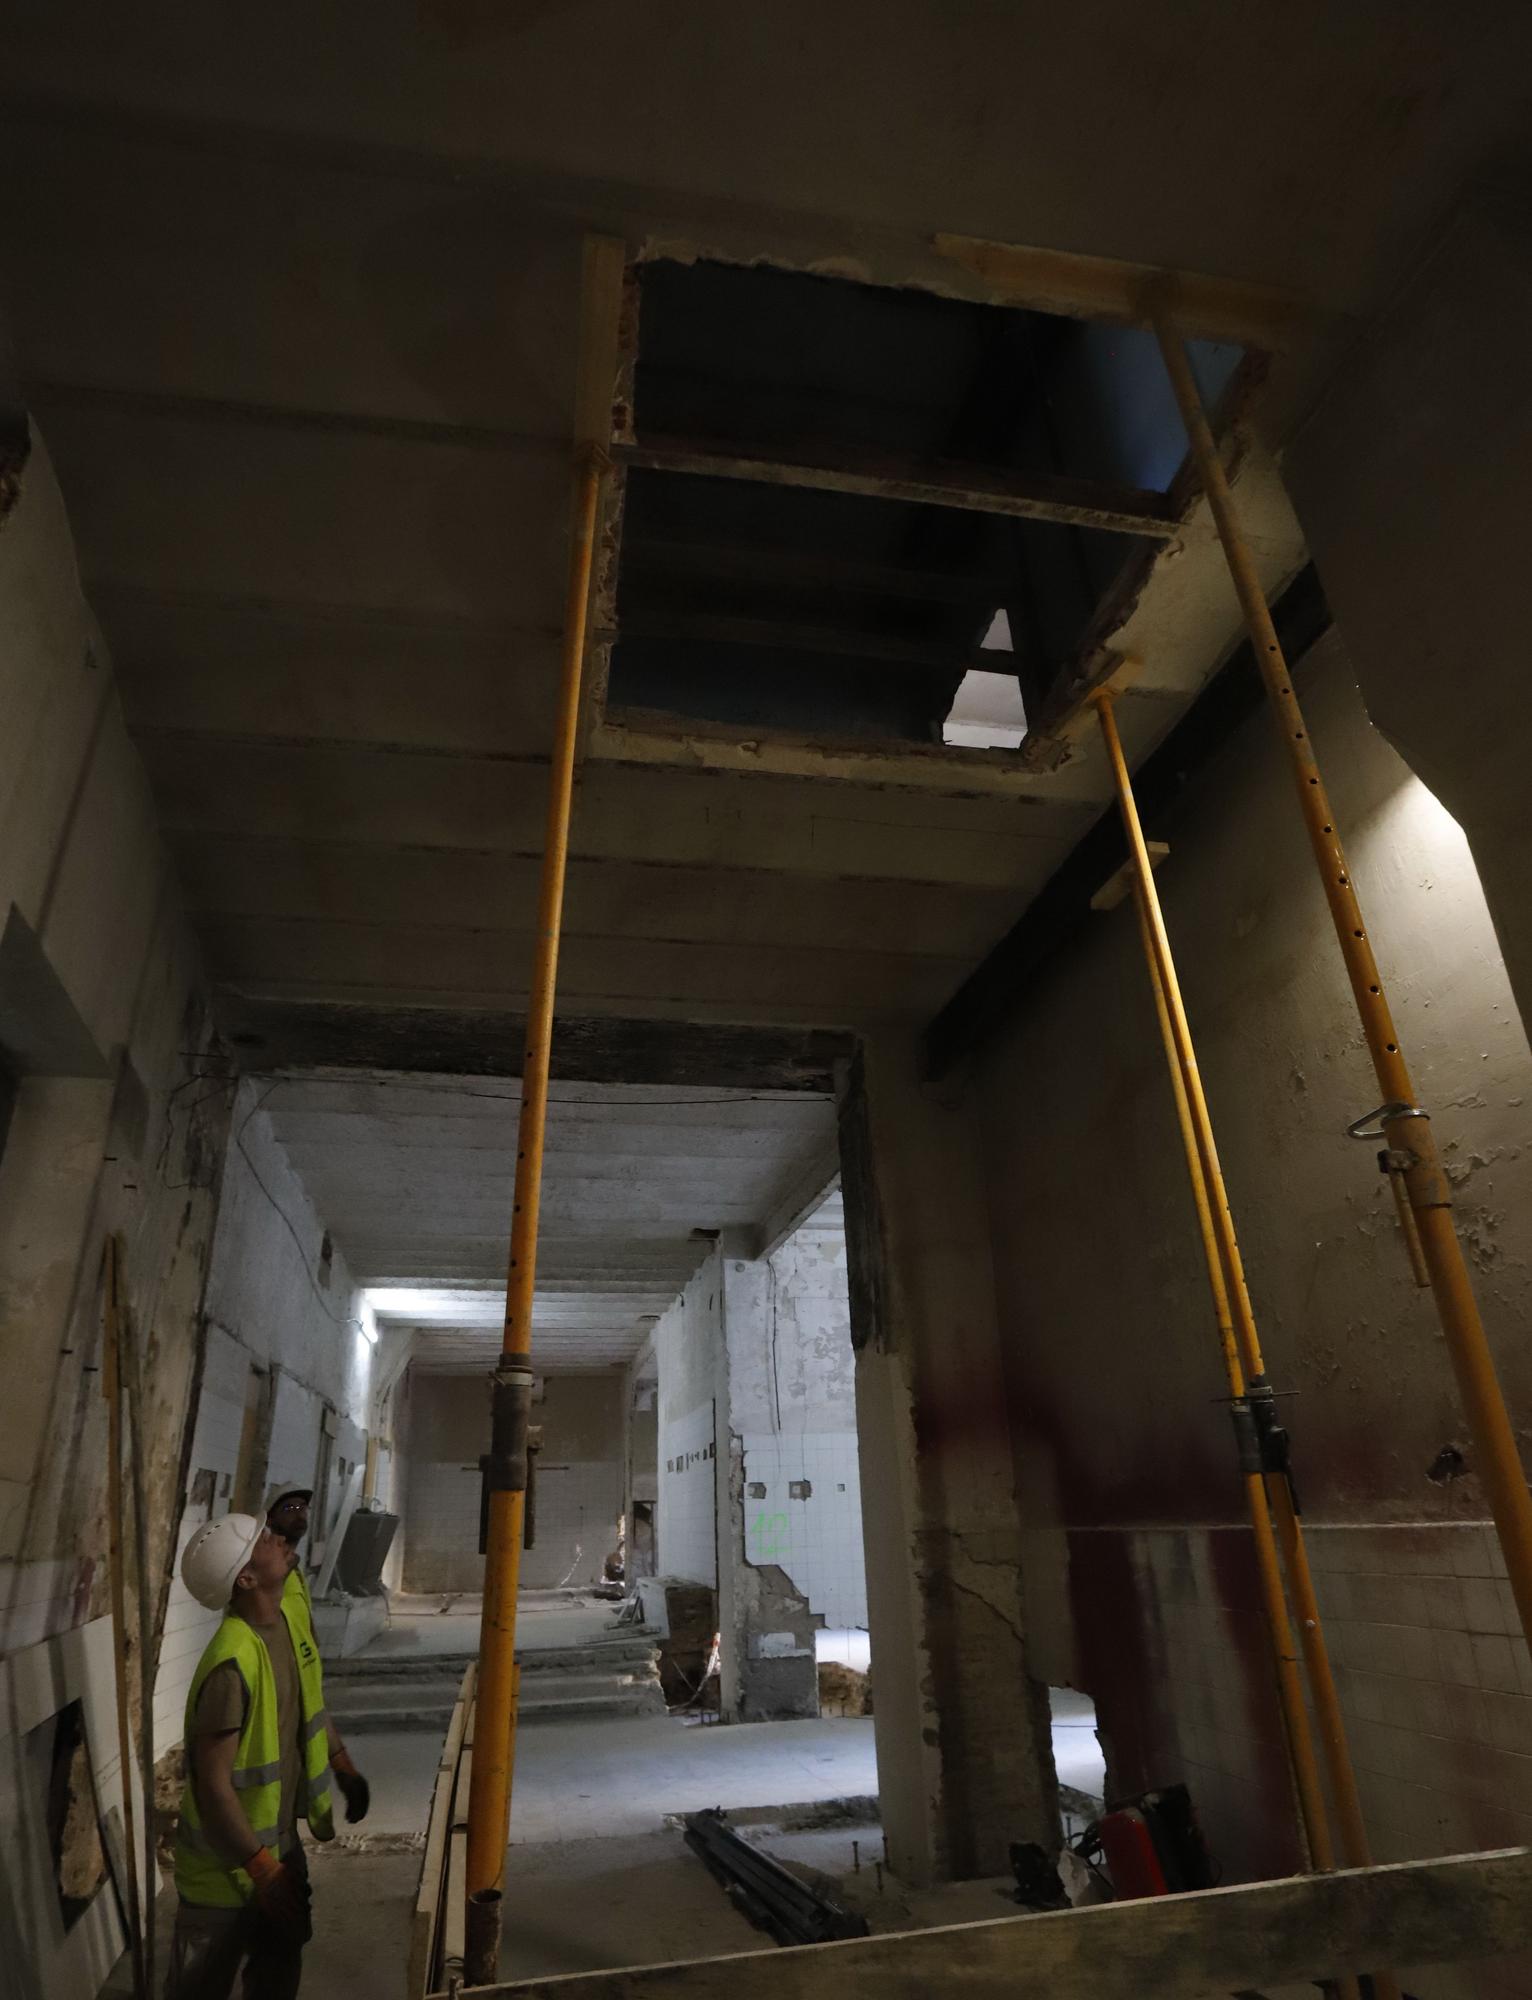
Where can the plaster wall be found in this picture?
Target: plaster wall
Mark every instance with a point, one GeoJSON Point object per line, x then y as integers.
{"type": "Point", "coordinates": [792, 1392]}
{"type": "Point", "coordinates": [1138, 1580]}
{"type": "Point", "coordinates": [287, 1376]}
{"type": "Point", "coordinates": [962, 1724]}
{"type": "Point", "coordinates": [118, 1126]}
{"type": "Point", "coordinates": [115, 1126]}
{"type": "Point", "coordinates": [1428, 596]}
{"type": "Point", "coordinates": [690, 1357]}
{"type": "Point", "coordinates": [579, 1481]}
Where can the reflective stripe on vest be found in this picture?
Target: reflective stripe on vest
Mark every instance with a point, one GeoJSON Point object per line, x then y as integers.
{"type": "Point", "coordinates": [201, 1875]}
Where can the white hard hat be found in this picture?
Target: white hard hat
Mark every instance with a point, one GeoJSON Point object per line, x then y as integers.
{"type": "Point", "coordinates": [216, 1554]}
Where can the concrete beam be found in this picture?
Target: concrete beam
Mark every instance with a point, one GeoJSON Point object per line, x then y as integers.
{"type": "Point", "coordinates": [1057, 281]}
{"type": "Point", "coordinates": [975, 489]}
{"type": "Point", "coordinates": [422, 966]}
{"type": "Point", "coordinates": [609, 898]}
{"type": "Point", "coordinates": [286, 782]}
{"type": "Point", "coordinates": [312, 1034]}
{"type": "Point", "coordinates": [804, 1193]}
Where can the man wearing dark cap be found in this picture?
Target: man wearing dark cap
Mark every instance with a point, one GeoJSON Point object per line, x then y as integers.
{"type": "Point", "coordinates": [287, 1515]}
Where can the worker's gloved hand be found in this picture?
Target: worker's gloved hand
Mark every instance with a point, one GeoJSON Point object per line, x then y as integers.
{"type": "Point", "coordinates": [281, 1894]}
{"type": "Point", "coordinates": [354, 1788]}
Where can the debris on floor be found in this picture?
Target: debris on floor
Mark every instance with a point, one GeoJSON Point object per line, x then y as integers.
{"type": "Point", "coordinates": [843, 1691]}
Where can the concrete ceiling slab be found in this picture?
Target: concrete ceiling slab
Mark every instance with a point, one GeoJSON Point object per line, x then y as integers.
{"type": "Point", "coordinates": [298, 311]}
{"type": "Point", "coordinates": [414, 1177]}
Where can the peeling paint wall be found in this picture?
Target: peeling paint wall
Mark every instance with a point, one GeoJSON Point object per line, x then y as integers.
{"type": "Point", "coordinates": [114, 1127]}
{"type": "Point", "coordinates": [1138, 1579]}
{"type": "Point", "coordinates": [793, 1405]}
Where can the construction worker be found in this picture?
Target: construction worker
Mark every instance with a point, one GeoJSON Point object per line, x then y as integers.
{"type": "Point", "coordinates": [257, 1761]}
{"type": "Point", "coordinates": [287, 1515]}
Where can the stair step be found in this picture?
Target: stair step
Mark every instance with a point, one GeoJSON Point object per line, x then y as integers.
{"type": "Point", "coordinates": [610, 1699]}
{"type": "Point", "coordinates": [620, 1655]}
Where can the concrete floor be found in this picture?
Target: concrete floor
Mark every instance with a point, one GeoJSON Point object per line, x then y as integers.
{"type": "Point", "coordinates": [598, 1874]}
{"type": "Point", "coordinates": [599, 1779]}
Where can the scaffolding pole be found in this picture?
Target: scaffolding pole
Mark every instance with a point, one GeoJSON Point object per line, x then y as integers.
{"type": "Point", "coordinates": [489, 1800]}
{"type": "Point", "coordinates": [1402, 1123]}
{"type": "Point", "coordinates": [1264, 1469]}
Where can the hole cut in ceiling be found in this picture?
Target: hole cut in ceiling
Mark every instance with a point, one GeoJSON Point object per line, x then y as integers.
{"type": "Point", "coordinates": [782, 565]}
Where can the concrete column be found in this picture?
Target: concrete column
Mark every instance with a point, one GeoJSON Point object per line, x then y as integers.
{"type": "Point", "coordinates": [1411, 481]}
{"type": "Point", "coordinates": [965, 1762]}
{"type": "Point", "coordinates": [767, 1666]}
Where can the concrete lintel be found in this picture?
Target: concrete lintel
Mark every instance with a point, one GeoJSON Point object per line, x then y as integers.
{"type": "Point", "coordinates": [1086, 287]}
{"type": "Point", "coordinates": [1123, 510]}
{"type": "Point", "coordinates": [313, 1034]}
{"type": "Point", "coordinates": [798, 1201]}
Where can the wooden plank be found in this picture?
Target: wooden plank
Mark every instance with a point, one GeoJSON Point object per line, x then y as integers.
{"type": "Point", "coordinates": [1059, 281]}
{"type": "Point", "coordinates": [454, 1919]}
{"type": "Point", "coordinates": [426, 1913]}
{"type": "Point", "coordinates": [1469, 1906]}
{"type": "Point", "coordinates": [975, 489]}
{"type": "Point", "coordinates": [425, 1918]}
{"type": "Point", "coordinates": [1119, 884]}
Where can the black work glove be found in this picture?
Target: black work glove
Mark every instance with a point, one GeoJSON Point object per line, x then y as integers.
{"type": "Point", "coordinates": [354, 1789]}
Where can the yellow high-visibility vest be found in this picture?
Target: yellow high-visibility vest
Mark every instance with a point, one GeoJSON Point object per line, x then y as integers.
{"type": "Point", "coordinates": [201, 1875]}
{"type": "Point", "coordinates": [296, 1596]}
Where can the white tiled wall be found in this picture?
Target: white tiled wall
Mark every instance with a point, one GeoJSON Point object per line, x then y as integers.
{"type": "Point", "coordinates": [817, 1540]}
{"type": "Point", "coordinates": [687, 1535]}
{"type": "Point", "coordinates": [442, 1548]}
{"type": "Point", "coordinates": [578, 1501]}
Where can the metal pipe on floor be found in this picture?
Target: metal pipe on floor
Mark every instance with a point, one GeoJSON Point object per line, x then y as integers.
{"type": "Point", "coordinates": [489, 1800]}
{"type": "Point", "coordinates": [1403, 1123]}
{"type": "Point", "coordinates": [1268, 1486]}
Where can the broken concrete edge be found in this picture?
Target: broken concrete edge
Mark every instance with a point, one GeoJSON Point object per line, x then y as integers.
{"type": "Point", "coordinates": [986, 998]}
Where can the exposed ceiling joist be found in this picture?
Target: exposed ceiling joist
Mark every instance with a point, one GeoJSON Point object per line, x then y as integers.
{"type": "Point", "coordinates": [312, 1035]}
{"type": "Point", "coordinates": [978, 489]}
